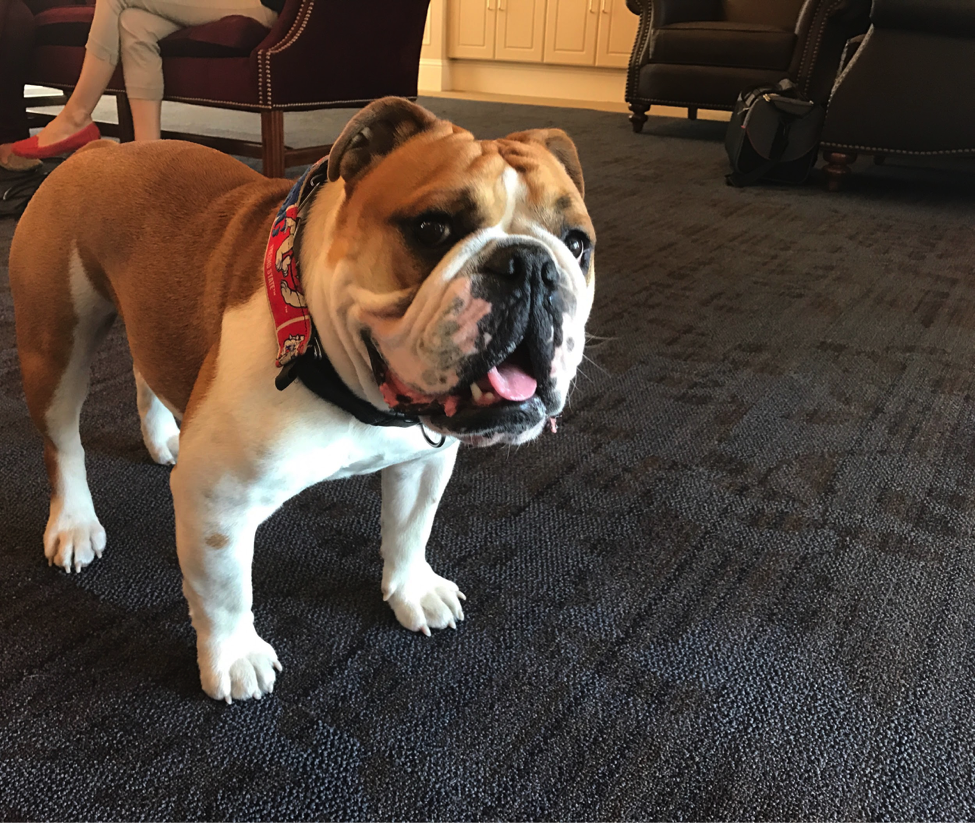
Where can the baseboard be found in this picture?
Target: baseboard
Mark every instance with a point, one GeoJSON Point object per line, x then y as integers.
{"type": "Point", "coordinates": [435, 75]}
{"type": "Point", "coordinates": [536, 80]}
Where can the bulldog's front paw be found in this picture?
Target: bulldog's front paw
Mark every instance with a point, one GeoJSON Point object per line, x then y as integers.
{"type": "Point", "coordinates": [72, 542]}
{"type": "Point", "coordinates": [239, 668]}
{"type": "Point", "coordinates": [423, 600]}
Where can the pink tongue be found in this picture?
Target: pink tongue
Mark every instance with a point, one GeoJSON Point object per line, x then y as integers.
{"type": "Point", "coordinates": [511, 383]}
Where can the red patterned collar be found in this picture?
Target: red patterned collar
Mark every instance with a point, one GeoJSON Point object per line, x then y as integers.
{"type": "Point", "coordinates": [300, 352]}
{"type": "Point", "coordinates": [292, 322]}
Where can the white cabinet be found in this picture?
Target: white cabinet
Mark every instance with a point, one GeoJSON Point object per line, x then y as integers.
{"type": "Point", "coordinates": [560, 32]}
{"type": "Point", "coordinates": [616, 33]}
{"type": "Point", "coordinates": [472, 29]}
{"type": "Point", "coordinates": [570, 32]}
{"type": "Point", "coordinates": [521, 26]}
{"type": "Point", "coordinates": [589, 32]}
{"type": "Point", "coordinates": [496, 30]}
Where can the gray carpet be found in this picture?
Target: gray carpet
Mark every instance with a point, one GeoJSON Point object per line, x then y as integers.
{"type": "Point", "coordinates": [738, 584]}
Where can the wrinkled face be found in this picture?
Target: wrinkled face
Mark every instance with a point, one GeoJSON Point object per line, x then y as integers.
{"type": "Point", "coordinates": [470, 271]}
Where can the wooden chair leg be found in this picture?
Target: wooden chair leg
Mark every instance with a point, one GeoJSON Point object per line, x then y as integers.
{"type": "Point", "coordinates": [692, 112]}
{"type": "Point", "coordinates": [838, 168]}
{"type": "Point", "coordinates": [126, 128]}
{"type": "Point", "coordinates": [638, 116]}
{"type": "Point", "coordinates": [272, 143]}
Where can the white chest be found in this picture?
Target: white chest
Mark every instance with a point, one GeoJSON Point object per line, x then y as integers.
{"type": "Point", "coordinates": [285, 441]}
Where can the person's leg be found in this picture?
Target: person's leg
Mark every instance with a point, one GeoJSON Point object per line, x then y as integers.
{"type": "Point", "coordinates": [148, 21]}
{"type": "Point", "coordinates": [16, 40]}
{"type": "Point", "coordinates": [146, 118]}
{"type": "Point", "coordinates": [140, 33]}
{"type": "Point", "coordinates": [101, 57]}
{"type": "Point", "coordinates": [198, 12]}
{"type": "Point", "coordinates": [76, 114]}
{"type": "Point", "coordinates": [140, 30]}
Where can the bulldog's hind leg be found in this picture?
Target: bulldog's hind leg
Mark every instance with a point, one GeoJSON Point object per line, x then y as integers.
{"type": "Point", "coordinates": [159, 430]}
{"type": "Point", "coordinates": [56, 343]}
{"type": "Point", "coordinates": [420, 598]}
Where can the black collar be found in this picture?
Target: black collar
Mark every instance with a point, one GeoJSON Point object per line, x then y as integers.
{"type": "Point", "coordinates": [318, 375]}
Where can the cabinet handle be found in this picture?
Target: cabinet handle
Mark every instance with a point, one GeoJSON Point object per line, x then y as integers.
{"type": "Point", "coordinates": [489, 5]}
{"type": "Point", "coordinates": [500, 5]}
{"type": "Point", "coordinates": [603, 8]}
{"type": "Point", "coordinates": [590, 7]}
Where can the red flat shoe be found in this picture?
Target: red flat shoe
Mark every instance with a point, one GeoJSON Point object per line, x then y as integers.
{"type": "Point", "coordinates": [28, 148]}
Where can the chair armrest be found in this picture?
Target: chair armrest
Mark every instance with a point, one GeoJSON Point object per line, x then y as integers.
{"type": "Point", "coordinates": [37, 6]}
{"type": "Point", "coordinates": [852, 45]}
{"type": "Point", "coordinates": [823, 28]}
{"type": "Point", "coordinates": [279, 31]}
{"type": "Point", "coordinates": [653, 15]}
{"type": "Point", "coordinates": [337, 52]}
{"type": "Point", "coordinates": [666, 12]}
{"type": "Point", "coordinates": [948, 17]}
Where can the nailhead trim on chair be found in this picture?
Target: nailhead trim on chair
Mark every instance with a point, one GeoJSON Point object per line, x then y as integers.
{"type": "Point", "coordinates": [633, 71]}
{"type": "Point", "coordinates": [301, 21]}
{"type": "Point", "coordinates": [816, 42]}
{"type": "Point", "coordinates": [894, 151]}
{"type": "Point", "coordinates": [331, 103]}
{"type": "Point", "coordinates": [679, 104]}
{"type": "Point", "coordinates": [853, 60]}
{"type": "Point", "coordinates": [238, 106]}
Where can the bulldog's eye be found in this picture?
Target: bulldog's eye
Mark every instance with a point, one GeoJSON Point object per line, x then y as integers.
{"type": "Point", "coordinates": [577, 243]}
{"type": "Point", "coordinates": [432, 229]}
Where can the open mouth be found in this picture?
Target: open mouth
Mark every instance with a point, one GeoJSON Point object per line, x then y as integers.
{"type": "Point", "coordinates": [503, 399]}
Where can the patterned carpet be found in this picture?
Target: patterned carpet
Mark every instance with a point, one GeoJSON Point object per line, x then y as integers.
{"type": "Point", "coordinates": [738, 584]}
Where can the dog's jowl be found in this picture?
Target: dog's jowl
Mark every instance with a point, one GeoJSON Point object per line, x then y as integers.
{"type": "Point", "coordinates": [417, 290]}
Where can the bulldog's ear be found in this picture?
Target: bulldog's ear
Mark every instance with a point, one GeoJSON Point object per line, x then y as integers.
{"type": "Point", "coordinates": [373, 133]}
{"type": "Point", "coordinates": [561, 145]}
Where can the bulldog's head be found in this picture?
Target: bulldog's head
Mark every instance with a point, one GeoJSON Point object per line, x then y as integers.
{"type": "Point", "coordinates": [461, 269]}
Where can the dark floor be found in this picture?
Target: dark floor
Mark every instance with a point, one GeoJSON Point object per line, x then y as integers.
{"type": "Point", "coordinates": [738, 584]}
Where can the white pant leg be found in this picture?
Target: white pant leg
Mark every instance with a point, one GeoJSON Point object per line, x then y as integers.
{"type": "Point", "coordinates": [103, 36]}
{"type": "Point", "coordinates": [136, 26]}
{"type": "Point", "coordinates": [140, 32]}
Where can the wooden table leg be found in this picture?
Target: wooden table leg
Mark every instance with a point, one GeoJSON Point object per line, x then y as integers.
{"type": "Point", "coordinates": [272, 143]}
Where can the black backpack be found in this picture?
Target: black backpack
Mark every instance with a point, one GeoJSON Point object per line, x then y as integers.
{"type": "Point", "coordinates": [17, 188]}
{"type": "Point", "coordinates": [773, 135]}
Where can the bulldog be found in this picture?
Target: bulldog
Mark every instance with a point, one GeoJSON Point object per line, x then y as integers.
{"type": "Point", "coordinates": [423, 290]}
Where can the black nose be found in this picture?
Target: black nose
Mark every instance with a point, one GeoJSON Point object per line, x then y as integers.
{"type": "Point", "coordinates": [523, 263]}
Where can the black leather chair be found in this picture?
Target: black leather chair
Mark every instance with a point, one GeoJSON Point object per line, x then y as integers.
{"type": "Point", "coordinates": [907, 86]}
{"type": "Point", "coordinates": [702, 53]}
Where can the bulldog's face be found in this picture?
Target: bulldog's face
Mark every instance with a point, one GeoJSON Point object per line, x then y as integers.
{"type": "Point", "coordinates": [469, 266]}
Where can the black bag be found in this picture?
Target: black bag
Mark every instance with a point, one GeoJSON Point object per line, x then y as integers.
{"type": "Point", "coordinates": [773, 135]}
{"type": "Point", "coordinates": [17, 188]}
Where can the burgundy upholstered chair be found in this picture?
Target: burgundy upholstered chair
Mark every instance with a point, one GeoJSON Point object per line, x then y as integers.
{"type": "Point", "coordinates": [319, 54]}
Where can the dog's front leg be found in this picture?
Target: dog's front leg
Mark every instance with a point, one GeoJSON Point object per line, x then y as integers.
{"type": "Point", "coordinates": [420, 598]}
{"type": "Point", "coordinates": [215, 526]}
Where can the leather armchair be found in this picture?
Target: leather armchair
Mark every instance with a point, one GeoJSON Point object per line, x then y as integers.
{"type": "Point", "coordinates": [319, 54]}
{"type": "Point", "coordinates": [703, 53]}
{"type": "Point", "coordinates": [907, 87]}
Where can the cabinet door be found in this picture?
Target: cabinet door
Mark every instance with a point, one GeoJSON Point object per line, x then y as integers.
{"type": "Point", "coordinates": [570, 32]}
{"type": "Point", "coordinates": [521, 30]}
{"type": "Point", "coordinates": [472, 28]}
{"type": "Point", "coordinates": [617, 31]}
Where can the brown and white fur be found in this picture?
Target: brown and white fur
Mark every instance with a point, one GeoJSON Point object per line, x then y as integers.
{"type": "Point", "coordinates": [171, 236]}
